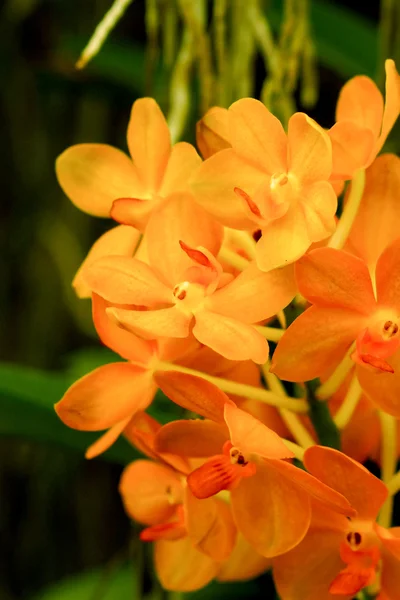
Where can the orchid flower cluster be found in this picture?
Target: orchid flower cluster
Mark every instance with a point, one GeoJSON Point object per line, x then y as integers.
{"type": "Point", "coordinates": [209, 258]}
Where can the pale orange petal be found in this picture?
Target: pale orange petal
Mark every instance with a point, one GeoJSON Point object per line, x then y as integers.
{"type": "Point", "coordinates": [383, 389]}
{"type": "Point", "coordinates": [315, 343]}
{"type": "Point", "coordinates": [309, 150]}
{"type": "Point", "coordinates": [194, 439]}
{"type": "Point", "coordinates": [169, 322]}
{"type": "Point", "coordinates": [194, 394]}
{"type": "Point", "coordinates": [181, 567]}
{"type": "Point", "coordinates": [94, 175]}
{"type": "Point", "coordinates": [319, 204]}
{"type": "Point", "coordinates": [376, 223]}
{"type": "Point", "coordinates": [283, 241]}
{"type": "Point", "coordinates": [118, 241]}
{"type": "Point", "coordinates": [214, 183]}
{"type": "Point", "coordinates": [271, 513]}
{"type": "Point", "coordinates": [390, 579]}
{"type": "Point", "coordinates": [106, 396]}
{"type": "Point", "coordinates": [148, 142]}
{"type": "Point", "coordinates": [388, 276]}
{"type": "Point", "coordinates": [333, 278]}
{"type": "Point", "coordinates": [212, 131]}
{"type": "Point", "coordinates": [107, 439]}
{"type": "Point", "coordinates": [182, 163]}
{"type": "Point", "coordinates": [365, 492]}
{"type": "Point", "coordinates": [306, 572]}
{"type": "Point", "coordinates": [150, 492]}
{"type": "Point", "coordinates": [210, 526]}
{"type": "Point", "coordinates": [231, 338]}
{"type": "Point", "coordinates": [125, 280]}
{"type": "Point", "coordinates": [254, 295]}
{"type": "Point", "coordinates": [244, 563]}
{"type": "Point", "coordinates": [172, 222]}
{"type": "Point", "coordinates": [134, 212]}
{"type": "Point", "coordinates": [251, 436]}
{"type": "Point", "coordinates": [257, 136]}
{"type": "Point", "coordinates": [360, 101]}
{"type": "Point", "coordinates": [392, 102]}
{"type": "Point", "coordinates": [352, 146]}
{"type": "Point", "coordinates": [117, 339]}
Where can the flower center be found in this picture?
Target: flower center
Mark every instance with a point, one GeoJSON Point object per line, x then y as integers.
{"type": "Point", "coordinates": [379, 341]}
{"type": "Point", "coordinates": [237, 458]}
{"type": "Point", "coordinates": [188, 296]}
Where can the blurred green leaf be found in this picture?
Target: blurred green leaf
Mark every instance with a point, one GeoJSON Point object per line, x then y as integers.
{"type": "Point", "coordinates": [27, 398]}
{"type": "Point", "coordinates": [346, 42]}
{"type": "Point", "coordinates": [118, 584]}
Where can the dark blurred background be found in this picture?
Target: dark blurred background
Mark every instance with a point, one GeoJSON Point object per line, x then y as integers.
{"type": "Point", "coordinates": [59, 514]}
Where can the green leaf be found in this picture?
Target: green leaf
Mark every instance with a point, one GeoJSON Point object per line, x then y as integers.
{"type": "Point", "coordinates": [118, 584]}
{"type": "Point", "coordinates": [27, 398]}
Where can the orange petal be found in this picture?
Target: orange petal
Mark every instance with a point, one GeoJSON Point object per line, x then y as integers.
{"type": "Point", "coordinates": [255, 295]}
{"type": "Point", "coordinates": [174, 530]}
{"type": "Point", "coordinates": [365, 492]}
{"type": "Point", "coordinates": [383, 389]}
{"type": "Point", "coordinates": [231, 338]}
{"type": "Point", "coordinates": [317, 489]}
{"type": "Point", "coordinates": [243, 563]}
{"type": "Point", "coordinates": [360, 101]}
{"type": "Point", "coordinates": [148, 142]}
{"type": "Point", "coordinates": [375, 226]}
{"type": "Point", "coordinates": [214, 182]}
{"type": "Point", "coordinates": [392, 103]}
{"type": "Point", "coordinates": [94, 175]}
{"type": "Point", "coordinates": [333, 278]}
{"type": "Point", "coordinates": [257, 136]}
{"type": "Point", "coordinates": [133, 212]}
{"type": "Point", "coordinates": [181, 567]}
{"type": "Point", "coordinates": [315, 343]}
{"type": "Point", "coordinates": [107, 439]}
{"type": "Point", "coordinates": [169, 322]}
{"type": "Point", "coordinates": [352, 146]}
{"type": "Point", "coordinates": [388, 276]}
{"type": "Point", "coordinates": [165, 253]}
{"type": "Point", "coordinates": [106, 396]}
{"type": "Point", "coordinates": [319, 204]}
{"type": "Point", "coordinates": [182, 163]}
{"type": "Point", "coordinates": [212, 131]}
{"type": "Point", "coordinates": [390, 577]}
{"type": "Point", "coordinates": [193, 393]}
{"type": "Point", "coordinates": [283, 241]}
{"type": "Point", "coordinates": [150, 492]}
{"type": "Point", "coordinates": [117, 339]}
{"type": "Point", "coordinates": [118, 241]}
{"type": "Point", "coordinates": [215, 475]}
{"type": "Point", "coordinates": [253, 437]}
{"type": "Point", "coordinates": [309, 150]}
{"type": "Point", "coordinates": [210, 526]}
{"type": "Point", "coordinates": [307, 570]}
{"type": "Point", "coordinates": [350, 582]}
{"type": "Point", "coordinates": [125, 280]}
{"type": "Point", "coordinates": [195, 438]}
{"type": "Point", "coordinates": [271, 513]}
{"type": "Point", "coordinates": [390, 539]}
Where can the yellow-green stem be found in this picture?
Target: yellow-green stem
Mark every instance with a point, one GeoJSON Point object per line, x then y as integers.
{"type": "Point", "coordinates": [350, 210]}
{"type": "Point", "coordinates": [297, 405]}
{"type": "Point", "coordinates": [232, 258]}
{"type": "Point", "coordinates": [388, 463]}
{"type": "Point", "coordinates": [292, 421]}
{"type": "Point", "coordinates": [272, 334]}
{"type": "Point", "coordinates": [333, 383]}
{"type": "Point", "coordinates": [394, 484]}
{"type": "Point", "coordinates": [349, 404]}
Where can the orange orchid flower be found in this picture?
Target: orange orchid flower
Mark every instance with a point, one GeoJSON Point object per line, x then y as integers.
{"type": "Point", "coordinates": [339, 557]}
{"type": "Point", "coordinates": [245, 458]}
{"type": "Point", "coordinates": [185, 284]}
{"type": "Point", "coordinates": [364, 121]}
{"type": "Point", "coordinates": [272, 182]}
{"type": "Point", "coordinates": [344, 311]}
{"type": "Point", "coordinates": [103, 181]}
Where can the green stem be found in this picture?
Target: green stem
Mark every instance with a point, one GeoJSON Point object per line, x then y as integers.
{"type": "Point", "coordinates": [325, 427]}
{"type": "Point", "coordinates": [350, 211]}
{"type": "Point", "coordinates": [388, 463]}
{"type": "Point", "coordinates": [346, 411]}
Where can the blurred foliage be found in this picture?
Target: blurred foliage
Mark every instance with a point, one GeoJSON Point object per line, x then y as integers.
{"type": "Point", "coordinates": [59, 514]}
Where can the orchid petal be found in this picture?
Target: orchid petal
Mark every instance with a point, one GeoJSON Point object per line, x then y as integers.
{"type": "Point", "coordinates": [169, 322]}
{"type": "Point", "coordinates": [194, 439]}
{"type": "Point", "coordinates": [383, 389]}
{"type": "Point", "coordinates": [231, 338]}
{"type": "Point", "coordinates": [104, 442]}
{"type": "Point", "coordinates": [388, 276]}
{"type": "Point", "coordinates": [94, 175]}
{"type": "Point", "coordinates": [212, 131]}
{"type": "Point", "coordinates": [309, 150]}
{"type": "Point", "coordinates": [106, 396]}
{"type": "Point", "coordinates": [352, 146]}
{"type": "Point", "coordinates": [243, 563]}
{"type": "Point", "coordinates": [360, 101]}
{"type": "Point", "coordinates": [392, 103]}
{"type": "Point", "coordinates": [182, 163]}
{"type": "Point", "coordinates": [148, 142]}
{"type": "Point", "coordinates": [133, 212]}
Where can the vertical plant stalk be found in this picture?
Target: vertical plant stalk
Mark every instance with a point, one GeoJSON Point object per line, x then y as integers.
{"type": "Point", "coordinates": [335, 380]}
{"type": "Point", "coordinates": [152, 22]}
{"type": "Point", "coordinates": [102, 31]}
{"type": "Point", "coordinates": [170, 33]}
{"type": "Point", "coordinates": [219, 24]}
{"type": "Point", "coordinates": [350, 210]}
{"type": "Point", "coordinates": [387, 30]}
{"type": "Point", "coordinates": [325, 428]}
{"type": "Point", "coordinates": [346, 411]}
{"type": "Point", "coordinates": [388, 462]}
{"type": "Point", "coordinates": [180, 88]}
